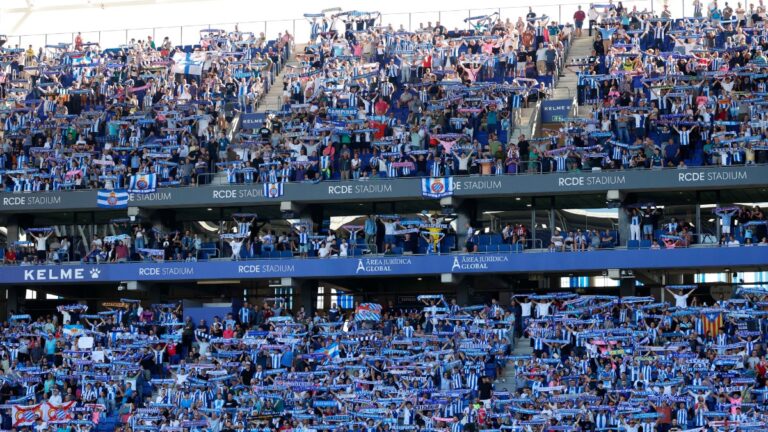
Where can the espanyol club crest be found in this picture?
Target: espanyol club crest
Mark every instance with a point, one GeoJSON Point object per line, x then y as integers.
{"type": "Point", "coordinates": [437, 187]}
{"type": "Point", "coordinates": [112, 199]}
{"type": "Point", "coordinates": [273, 191]}
{"type": "Point", "coordinates": [55, 413]}
{"type": "Point", "coordinates": [142, 184]}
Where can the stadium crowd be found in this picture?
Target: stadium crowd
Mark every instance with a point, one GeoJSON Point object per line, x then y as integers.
{"type": "Point", "coordinates": [598, 363]}
{"type": "Point", "coordinates": [78, 116]}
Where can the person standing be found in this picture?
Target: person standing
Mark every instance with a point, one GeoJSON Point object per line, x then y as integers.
{"type": "Point", "coordinates": [593, 15]}
{"type": "Point", "coordinates": [578, 20]}
{"type": "Point", "coordinates": [370, 233]}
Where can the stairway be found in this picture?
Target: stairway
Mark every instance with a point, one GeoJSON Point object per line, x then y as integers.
{"type": "Point", "coordinates": [566, 85]}
{"type": "Point", "coordinates": [273, 100]}
{"type": "Point", "coordinates": [507, 380]}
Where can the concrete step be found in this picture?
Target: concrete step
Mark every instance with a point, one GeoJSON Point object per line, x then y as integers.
{"type": "Point", "coordinates": [273, 99]}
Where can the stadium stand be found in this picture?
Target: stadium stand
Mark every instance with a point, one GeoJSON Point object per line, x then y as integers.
{"type": "Point", "coordinates": [271, 314]}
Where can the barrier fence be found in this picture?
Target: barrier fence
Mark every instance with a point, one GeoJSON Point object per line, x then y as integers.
{"type": "Point", "coordinates": [300, 27]}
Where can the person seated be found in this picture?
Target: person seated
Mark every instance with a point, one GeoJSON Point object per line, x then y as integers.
{"type": "Point", "coordinates": [10, 256]}
{"type": "Point", "coordinates": [557, 241]}
{"type": "Point", "coordinates": [606, 240]}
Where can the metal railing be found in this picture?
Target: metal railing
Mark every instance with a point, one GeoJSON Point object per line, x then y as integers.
{"type": "Point", "coordinates": [300, 27]}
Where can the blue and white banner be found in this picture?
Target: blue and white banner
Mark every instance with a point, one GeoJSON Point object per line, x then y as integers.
{"type": "Point", "coordinates": [273, 190]}
{"type": "Point", "coordinates": [437, 187]}
{"type": "Point", "coordinates": [114, 199]}
{"type": "Point", "coordinates": [143, 183]}
{"type": "Point", "coordinates": [390, 266]}
{"type": "Point", "coordinates": [555, 110]}
{"type": "Point", "coordinates": [252, 120]}
{"type": "Point", "coordinates": [189, 63]}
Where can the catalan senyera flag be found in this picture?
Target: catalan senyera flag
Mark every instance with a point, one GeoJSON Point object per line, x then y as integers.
{"type": "Point", "coordinates": [712, 321]}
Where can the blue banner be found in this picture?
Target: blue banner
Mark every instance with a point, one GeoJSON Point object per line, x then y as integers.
{"type": "Point", "coordinates": [252, 120]}
{"type": "Point", "coordinates": [555, 110]}
{"type": "Point", "coordinates": [385, 266]}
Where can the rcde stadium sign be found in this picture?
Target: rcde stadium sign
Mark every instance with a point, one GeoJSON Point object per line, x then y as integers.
{"type": "Point", "coordinates": [405, 189]}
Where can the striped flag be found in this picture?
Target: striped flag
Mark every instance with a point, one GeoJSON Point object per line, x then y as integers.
{"type": "Point", "coordinates": [273, 190]}
{"type": "Point", "coordinates": [114, 199]}
{"type": "Point", "coordinates": [711, 322]}
{"type": "Point", "coordinates": [331, 351]}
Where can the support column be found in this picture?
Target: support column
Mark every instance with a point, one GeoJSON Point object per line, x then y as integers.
{"type": "Point", "coordinates": [463, 293]}
{"type": "Point", "coordinates": [304, 294]}
{"type": "Point", "coordinates": [12, 225]}
{"type": "Point", "coordinates": [533, 227]}
{"type": "Point", "coordinates": [466, 214]}
{"type": "Point", "coordinates": [698, 221]}
{"type": "Point", "coordinates": [627, 287]}
{"type": "Point", "coordinates": [623, 227]}
{"type": "Point", "coordinates": [13, 304]}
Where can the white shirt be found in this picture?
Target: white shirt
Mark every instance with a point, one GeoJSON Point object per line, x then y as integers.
{"type": "Point", "coordinates": [681, 300]}
{"type": "Point", "coordinates": [526, 309]}
{"type": "Point", "coordinates": [542, 309]}
{"type": "Point", "coordinates": [389, 228]}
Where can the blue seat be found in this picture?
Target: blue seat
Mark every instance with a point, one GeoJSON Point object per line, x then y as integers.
{"type": "Point", "coordinates": [645, 244]}
{"type": "Point", "coordinates": [633, 244]}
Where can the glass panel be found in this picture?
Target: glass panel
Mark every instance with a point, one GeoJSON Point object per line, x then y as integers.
{"type": "Point", "coordinates": [172, 33]}
{"type": "Point", "coordinates": [191, 34]}
{"type": "Point", "coordinates": [278, 27]}
{"type": "Point", "coordinates": [36, 41]}
{"type": "Point", "coordinates": [140, 34]}
{"type": "Point", "coordinates": [90, 37]}
{"type": "Point", "coordinates": [482, 12]}
{"type": "Point", "coordinates": [422, 20]}
{"type": "Point", "coordinates": [397, 21]}
{"type": "Point", "coordinates": [57, 38]}
{"type": "Point", "coordinates": [255, 27]}
{"type": "Point", "coordinates": [453, 19]}
{"type": "Point", "coordinates": [112, 39]}
{"type": "Point", "coordinates": [301, 30]}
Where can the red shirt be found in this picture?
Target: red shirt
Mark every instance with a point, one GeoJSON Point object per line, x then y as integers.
{"type": "Point", "coordinates": [381, 107]}
{"type": "Point", "coordinates": [579, 15]}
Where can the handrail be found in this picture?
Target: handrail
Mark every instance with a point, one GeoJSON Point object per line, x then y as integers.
{"type": "Point", "coordinates": [538, 242]}
{"type": "Point", "coordinates": [207, 250]}
{"type": "Point", "coordinates": [438, 15]}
